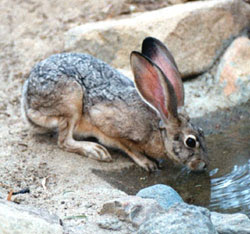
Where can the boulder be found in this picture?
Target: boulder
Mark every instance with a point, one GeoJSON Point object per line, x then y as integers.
{"type": "Point", "coordinates": [132, 209]}
{"type": "Point", "coordinates": [110, 223]}
{"type": "Point", "coordinates": [21, 219]}
{"type": "Point", "coordinates": [163, 194]}
{"type": "Point", "coordinates": [234, 70]}
{"type": "Point", "coordinates": [182, 219]}
{"type": "Point", "coordinates": [231, 223]}
{"type": "Point", "coordinates": [194, 46]}
{"type": "Point", "coordinates": [146, 216]}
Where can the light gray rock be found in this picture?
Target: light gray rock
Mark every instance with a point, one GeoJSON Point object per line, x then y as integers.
{"type": "Point", "coordinates": [231, 223]}
{"type": "Point", "coordinates": [21, 219]}
{"type": "Point", "coordinates": [110, 223]}
{"type": "Point", "coordinates": [163, 194]}
{"type": "Point", "coordinates": [132, 209]}
{"type": "Point", "coordinates": [194, 47]}
{"type": "Point", "coordinates": [182, 219]}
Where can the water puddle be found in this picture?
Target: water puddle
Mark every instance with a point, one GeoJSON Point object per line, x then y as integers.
{"type": "Point", "coordinates": [226, 185]}
{"type": "Point", "coordinates": [230, 174]}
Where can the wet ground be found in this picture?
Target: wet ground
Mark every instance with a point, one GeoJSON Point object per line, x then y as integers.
{"type": "Point", "coordinates": [225, 187]}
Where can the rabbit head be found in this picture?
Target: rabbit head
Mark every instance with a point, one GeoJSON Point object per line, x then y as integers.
{"type": "Point", "coordinates": [159, 83]}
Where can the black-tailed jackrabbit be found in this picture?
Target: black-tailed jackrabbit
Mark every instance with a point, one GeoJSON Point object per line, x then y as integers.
{"type": "Point", "coordinates": [77, 94]}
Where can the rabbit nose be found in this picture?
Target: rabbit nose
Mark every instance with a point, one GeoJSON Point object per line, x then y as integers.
{"type": "Point", "coordinates": [198, 165]}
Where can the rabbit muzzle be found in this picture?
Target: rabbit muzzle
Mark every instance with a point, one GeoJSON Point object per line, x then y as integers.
{"type": "Point", "coordinates": [197, 165]}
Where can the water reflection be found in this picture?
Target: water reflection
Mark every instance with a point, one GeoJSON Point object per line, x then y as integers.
{"type": "Point", "coordinates": [231, 192]}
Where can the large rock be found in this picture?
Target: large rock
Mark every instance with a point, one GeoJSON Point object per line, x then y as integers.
{"type": "Point", "coordinates": [19, 219]}
{"type": "Point", "coordinates": [234, 70]}
{"type": "Point", "coordinates": [195, 32]}
{"type": "Point", "coordinates": [182, 219]}
{"type": "Point", "coordinates": [231, 223]}
{"type": "Point", "coordinates": [132, 209]}
{"type": "Point", "coordinates": [110, 223]}
{"type": "Point", "coordinates": [145, 216]}
{"type": "Point", "coordinates": [163, 194]}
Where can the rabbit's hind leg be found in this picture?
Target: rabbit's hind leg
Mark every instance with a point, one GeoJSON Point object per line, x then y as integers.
{"type": "Point", "coordinates": [67, 142]}
{"type": "Point", "coordinates": [41, 124]}
{"type": "Point", "coordinates": [62, 111]}
{"type": "Point", "coordinates": [70, 107]}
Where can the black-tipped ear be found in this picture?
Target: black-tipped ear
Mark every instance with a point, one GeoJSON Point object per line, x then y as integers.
{"type": "Point", "coordinates": [153, 86]}
{"type": "Point", "coordinates": [150, 45]}
{"type": "Point", "coordinates": [161, 56]}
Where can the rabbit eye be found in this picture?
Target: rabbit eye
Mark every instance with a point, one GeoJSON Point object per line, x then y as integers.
{"type": "Point", "coordinates": [191, 141]}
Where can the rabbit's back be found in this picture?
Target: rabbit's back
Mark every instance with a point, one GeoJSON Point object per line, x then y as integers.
{"type": "Point", "coordinates": [100, 82]}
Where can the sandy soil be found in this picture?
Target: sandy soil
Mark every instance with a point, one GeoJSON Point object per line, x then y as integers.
{"type": "Point", "coordinates": [59, 181]}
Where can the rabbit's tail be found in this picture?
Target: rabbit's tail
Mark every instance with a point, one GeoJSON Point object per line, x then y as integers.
{"type": "Point", "coordinates": [35, 127]}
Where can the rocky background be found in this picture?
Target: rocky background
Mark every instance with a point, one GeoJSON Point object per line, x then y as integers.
{"type": "Point", "coordinates": [210, 41]}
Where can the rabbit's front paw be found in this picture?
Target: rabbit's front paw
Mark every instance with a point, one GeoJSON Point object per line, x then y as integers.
{"type": "Point", "coordinates": [149, 165]}
{"type": "Point", "coordinates": [145, 163]}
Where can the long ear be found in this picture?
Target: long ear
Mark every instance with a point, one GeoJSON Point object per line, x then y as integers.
{"type": "Point", "coordinates": [160, 55]}
{"type": "Point", "coordinates": [153, 86]}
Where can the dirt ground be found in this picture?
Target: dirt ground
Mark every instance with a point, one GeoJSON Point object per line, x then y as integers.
{"type": "Point", "coordinates": [58, 181]}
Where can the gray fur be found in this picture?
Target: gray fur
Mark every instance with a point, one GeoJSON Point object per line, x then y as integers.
{"type": "Point", "coordinates": [99, 80]}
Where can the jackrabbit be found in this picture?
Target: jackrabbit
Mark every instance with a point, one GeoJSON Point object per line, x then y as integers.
{"type": "Point", "coordinates": [79, 95]}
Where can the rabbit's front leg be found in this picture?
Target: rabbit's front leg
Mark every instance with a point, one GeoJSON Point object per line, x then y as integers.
{"type": "Point", "coordinates": [141, 160]}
